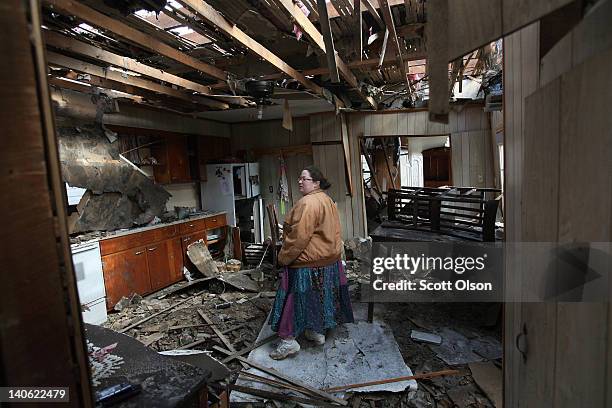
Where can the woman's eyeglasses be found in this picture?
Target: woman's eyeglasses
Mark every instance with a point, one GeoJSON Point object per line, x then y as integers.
{"type": "Point", "coordinates": [303, 179]}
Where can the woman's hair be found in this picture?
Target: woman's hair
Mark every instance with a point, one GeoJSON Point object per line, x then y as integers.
{"type": "Point", "coordinates": [317, 175]}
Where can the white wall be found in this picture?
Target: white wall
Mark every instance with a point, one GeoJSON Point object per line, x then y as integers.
{"type": "Point", "coordinates": [183, 195]}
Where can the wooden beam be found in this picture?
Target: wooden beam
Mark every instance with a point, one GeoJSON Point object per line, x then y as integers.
{"type": "Point", "coordinates": [62, 42]}
{"type": "Point", "coordinates": [347, 154]}
{"type": "Point", "coordinates": [323, 44]}
{"type": "Point", "coordinates": [211, 15]}
{"type": "Point", "coordinates": [383, 50]}
{"type": "Point", "coordinates": [91, 69]}
{"type": "Point", "coordinates": [73, 45]}
{"type": "Point", "coordinates": [365, 64]}
{"type": "Point", "coordinates": [330, 51]}
{"type": "Point", "coordinates": [372, 9]}
{"type": "Point", "coordinates": [91, 16]}
{"type": "Point", "coordinates": [388, 17]}
{"type": "Point", "coordinates": [437, 59]}
{"type": "Point", "coordinates": [411, 30]}
{"type": "Point", "coordinates": [293, 381]}
{"type": "Point", "coordinates": [358, 29]}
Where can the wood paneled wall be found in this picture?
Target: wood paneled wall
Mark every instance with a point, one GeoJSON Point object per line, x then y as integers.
{"type": "Point", "coordinates": [521, 57]}
{"type": "Point", "coordinates": [469, 128]}
{"type": "Point", "coordinates": [558, 144]}
{"type": "Point", "coordinates": [41, 335]}
{"type": "Point", "coordinates": [267, 135]}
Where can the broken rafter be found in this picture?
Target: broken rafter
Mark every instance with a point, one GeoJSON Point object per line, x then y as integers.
{"type": "Point", "coordinates": [372, 9]}
{"type": "Point", "coordinates": [328, 40]}
{"type": "Point", "coordinates": [325, 44]}
{"type": "Point", "coordinates": [212, 16]}
{"type": "Point", "coordinates": [73, 45]}
{"type": "Point", "coordinates": [294, 381]}
{"type": "Point", "coordinates": [388, 18]}
{"type": "Point", "coordinates": [358, 33]}
{"type": "Point", "coordinates": [95, 70]}
{"type": "Point", "coordinates": [397, 379]}
{"type": "Point", "coordinates": [91, 16]}
{"type": "Point", "coordinates": [146, 319]}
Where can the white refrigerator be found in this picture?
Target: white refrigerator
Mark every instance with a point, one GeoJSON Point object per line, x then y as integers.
{"type": "Point", "coordinates": [229, 182]}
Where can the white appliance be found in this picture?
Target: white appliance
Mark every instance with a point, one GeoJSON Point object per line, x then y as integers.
{"type": "Point", "coordinates": [90, 281]}
{"type": "Point", "coordinates": [228, 183]}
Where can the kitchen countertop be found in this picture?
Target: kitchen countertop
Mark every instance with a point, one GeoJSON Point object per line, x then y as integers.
{"type": "Point", "coordinates": [123, 232]}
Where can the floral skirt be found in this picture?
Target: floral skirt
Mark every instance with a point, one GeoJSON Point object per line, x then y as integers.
{"type": "Point", "coordinates": [311, 298]}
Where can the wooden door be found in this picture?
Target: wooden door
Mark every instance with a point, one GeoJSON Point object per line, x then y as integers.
{"type": "Point", "coordinates": [176, 259]}
{"type": "Point", "coordinates": [125, 273]}
{"type": "Point", "coordinates": [161, 265]}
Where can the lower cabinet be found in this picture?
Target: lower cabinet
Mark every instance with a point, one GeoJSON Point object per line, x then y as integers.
{"type": "Point", "coordinates": [160, 263]}
{"type": "Point", "coordinates": [155, 261]}
{"type": "Point", "coordinates": [125, 272]}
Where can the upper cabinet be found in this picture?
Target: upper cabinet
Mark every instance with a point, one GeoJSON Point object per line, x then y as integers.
{"type": "Point", "coordinates": [173, 160]}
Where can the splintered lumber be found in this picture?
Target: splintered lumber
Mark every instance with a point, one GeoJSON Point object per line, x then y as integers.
{"type": "Point", "coordinates": [146, 319]}
{"type": "Point", "coordinates": [274, 383]}
{"type": "Point", "coordinates": [279, 397]}
{"type": "Point", "coordinates": [219, 333]}
{"type": "Point", "coordinates": [242, 352]}
{"type": "Point", "coordinates": [397, 379]}
{"type": "Point", "coordinates": [293, 381]}
{"type": "Point", "coordinates": [95, 18]}
{"type": "Point", "coordinates": [195, 343]}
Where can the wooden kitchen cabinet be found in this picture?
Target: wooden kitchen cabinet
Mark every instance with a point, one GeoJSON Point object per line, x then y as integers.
{"type": "Point", "coordinates": [160, 261]}
{"type": "Point", "coordinates": [146, 261]}
{"type": "Point", "coordinates": [125, 272]}
{"type": "Point", "coordinates": [173, 161]}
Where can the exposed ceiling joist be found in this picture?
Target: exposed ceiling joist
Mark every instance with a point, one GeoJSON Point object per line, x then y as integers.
{"type": "Point", "coordinates": [364, 64]}
{"type": "Point", "coordinates": [91, 16]}
{"type": "Point", "coordinates": [388, 18]}
{"type": "Point", "coordinates": [328, 41]}
{"type": "Point", "coordinates": [358, 29]}
{"type": "Point", "coordinates": [73, 45]}
{"type": "Point", "coordinates": [60, 60]}
{"type": "Point", "coordinates": [205, 11]}
{"type": "Point", "coordinates": [372, 9]}
{"type": "Point", "coordinates": [315, 36]}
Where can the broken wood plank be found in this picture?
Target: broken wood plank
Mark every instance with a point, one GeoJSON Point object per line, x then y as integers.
{"type": "Point", "coordinates": [335, 63]}
{"type": "Point", "coordinates": [71, 44]}
{"type": "Point", "coordinates": [383, 50]}
{"type": "Point", "coordinates": [330, 50]}
{"type": "Point", "coordinates": [242, 352]}
{"type": "Point", "coordinates": [358, 29]}
{"type": "Point", "coordinates": [148, 340]}
{"type": "Point", "coordinates": [279, 397]}
{"type": "Point", "coordinates": [195, 343]}
{"type": "Point", "coordinates": [275, 383]}
{"type": "Point", "coordinates": [93, 17]}
{"type": "Point", "coordinates": [347, 155]}
{"type": "Point", "coordinates": [218, 332]}
{"type": "Point", "coordinates": [397, 379]}
{"type": "Point", "coordinates": [293, 381]}
{"type": "Point", "coordinates": [388, 19]}
{"type": "Point", "coordinates": [437, 60]}
{"type": "Point", "coordinates": [372, 9]}
{"type": "Point", "coordinates": [81, 66]}
{"type": "Point", "coordinates": [146, 319]}
{"type": "Point", "coordinates": [212, 16]}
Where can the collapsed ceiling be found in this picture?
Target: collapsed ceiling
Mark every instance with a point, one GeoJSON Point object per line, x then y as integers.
{"type": "Point", "coordinates": [193, 56]}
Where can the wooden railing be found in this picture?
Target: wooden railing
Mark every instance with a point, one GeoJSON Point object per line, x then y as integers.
{"type": "Point", "coordinates": [459, 211]}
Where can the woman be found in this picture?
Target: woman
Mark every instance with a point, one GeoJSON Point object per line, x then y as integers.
{"type": "Point", "coordinates": [313, 293]}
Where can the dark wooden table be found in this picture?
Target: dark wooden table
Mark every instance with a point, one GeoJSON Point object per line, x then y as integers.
{"type": "Point", "coordinates": [165, 382]}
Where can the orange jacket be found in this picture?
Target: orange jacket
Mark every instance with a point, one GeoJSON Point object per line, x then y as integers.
{"type": "Point", "coordinates": [311, 232]}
